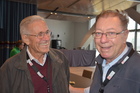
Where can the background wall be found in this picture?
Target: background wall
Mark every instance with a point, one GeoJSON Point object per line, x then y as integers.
{"type": "Point", "coordinates": [71, 33]}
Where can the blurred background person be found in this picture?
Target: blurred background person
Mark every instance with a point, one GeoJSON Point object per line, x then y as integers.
{"type": "Point", "coordinates": [18, 47]}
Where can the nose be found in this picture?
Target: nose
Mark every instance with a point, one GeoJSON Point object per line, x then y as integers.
{"type": "Point", "coordinates": [104, 38]}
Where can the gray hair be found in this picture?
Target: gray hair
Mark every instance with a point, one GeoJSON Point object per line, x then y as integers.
{"type": "Point", "coordinates": [28, 20]}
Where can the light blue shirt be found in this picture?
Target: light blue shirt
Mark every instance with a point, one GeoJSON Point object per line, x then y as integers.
{"type": "Point", "coordinates": [106, 67]}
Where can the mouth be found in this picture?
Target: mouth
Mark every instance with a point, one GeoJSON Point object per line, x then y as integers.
{"type": "Point", "coordinates": [105, 48]}
{"type": "Point", "coordinates": [44, 44]}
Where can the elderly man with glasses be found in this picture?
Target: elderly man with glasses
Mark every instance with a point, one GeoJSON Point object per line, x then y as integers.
{"type": "Point", "coordinates": [37, 68]}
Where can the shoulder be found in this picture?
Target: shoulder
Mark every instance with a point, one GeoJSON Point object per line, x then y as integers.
{"type": "Point", "coordinates": [8, 64]}
{"type": "Point", "coordinates": [134, 61]}
{"type": "Point", "coordinates": [135, 56]}
{"type": "Point", "coordinates": [56, 51]}
{"type": "Point", "coordinates": [56, 54]}
{"type": "Point", "coordinates": [15, 60]}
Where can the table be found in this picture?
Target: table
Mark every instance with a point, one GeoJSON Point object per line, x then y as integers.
{"type": "Point", "coordinates": [80, 82]}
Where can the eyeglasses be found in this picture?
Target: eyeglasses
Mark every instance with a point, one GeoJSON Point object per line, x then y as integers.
{"type": "Point", "coordinates": [41, 34]}
{"type": "Point", "coordinates": [109, 35]}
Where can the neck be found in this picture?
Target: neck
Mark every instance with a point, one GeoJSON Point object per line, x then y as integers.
{"type": "Point", "coordinates": [38, 56]}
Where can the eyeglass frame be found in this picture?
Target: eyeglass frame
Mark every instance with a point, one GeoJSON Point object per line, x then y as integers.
{"type": "Point", "coordinates": [107, 34]}
{"type": "Point", "coordinates": [48, 32]}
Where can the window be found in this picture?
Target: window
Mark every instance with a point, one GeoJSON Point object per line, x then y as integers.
{"type": "Point", "coordinates": [138, 42]}
{"type": "Point", "coordinates": [133, 34]}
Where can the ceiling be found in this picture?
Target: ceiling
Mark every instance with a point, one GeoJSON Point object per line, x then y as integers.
{"type": "Point", "coordinates": [77, 10]}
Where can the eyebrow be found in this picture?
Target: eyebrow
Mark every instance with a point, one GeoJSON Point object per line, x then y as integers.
{"type": "Point", "coordinates": [106, 29]}
{"type": "Point", "coordinates": [111, 29]}
{"type": "Point", "coordinates": [43, 32]}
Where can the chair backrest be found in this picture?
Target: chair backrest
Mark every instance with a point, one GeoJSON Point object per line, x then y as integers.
{"type": "Point", "coordinates": [87, 74]}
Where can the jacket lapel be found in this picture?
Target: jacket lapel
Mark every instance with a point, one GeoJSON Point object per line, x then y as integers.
{"type": "Point", "coordinates": [22, 63]}
{"type": "Point", "coordinates": [56, 64]}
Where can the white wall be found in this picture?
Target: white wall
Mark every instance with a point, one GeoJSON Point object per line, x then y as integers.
{"type": "Point", "coordinates": [71, 33]}
{"type": "Point", "coordinates": [80, 31]}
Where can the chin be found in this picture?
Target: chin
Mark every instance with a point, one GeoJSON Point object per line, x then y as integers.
{"type": "Point", "coordinates": [45, 50]}
{"type": "Point", "coordinates": [105, 56]}
{"type": "Point", "coordinates": [45, 47]}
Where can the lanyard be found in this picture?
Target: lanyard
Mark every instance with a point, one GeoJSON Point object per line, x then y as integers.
{"type": "Point", "coordinates": [40, 74]}
{"type": "Point", "coordinates": [114, 70]}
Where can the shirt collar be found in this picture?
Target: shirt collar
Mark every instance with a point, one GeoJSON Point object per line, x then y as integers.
{"type": "Point", "coordinates": [32, 58]}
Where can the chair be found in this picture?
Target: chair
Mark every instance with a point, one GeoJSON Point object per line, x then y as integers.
{"type": "Point", "coordinates": [87, 74]}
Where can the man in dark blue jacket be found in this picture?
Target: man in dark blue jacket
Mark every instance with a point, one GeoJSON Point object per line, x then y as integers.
{"type": "Point", "coordinates": [118, 65]}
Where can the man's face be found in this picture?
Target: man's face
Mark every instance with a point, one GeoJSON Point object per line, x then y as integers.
{"type": "Point", "coordinates": [110, 48]}
{"type": "Point", "coordinates": [38, 45]}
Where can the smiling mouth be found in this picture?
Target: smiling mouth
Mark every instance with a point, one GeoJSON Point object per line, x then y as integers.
{"type": "Point", "coordinates": [45, 44]}
{"type": "Point", "coordinates": [105, 48]}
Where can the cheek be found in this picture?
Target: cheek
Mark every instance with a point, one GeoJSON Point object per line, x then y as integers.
{"type": "Point", "coordinates": [121, 40]}
{"type": "Point", "coordinates": [97, 43]}
{"type": "Point", "coordinates": [33, 44]}
{"type": "Point", "coordinates": [33, 40]}
{"type": "Point", "coordinates": [118, 45]}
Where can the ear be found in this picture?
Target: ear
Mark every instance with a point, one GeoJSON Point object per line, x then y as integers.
{"type": "Point", "coordinates": [126, 33]}
{"type": "Point", "coordinates": [25, 39]}
{"type": "Point", "coordinates": [125, 36]}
